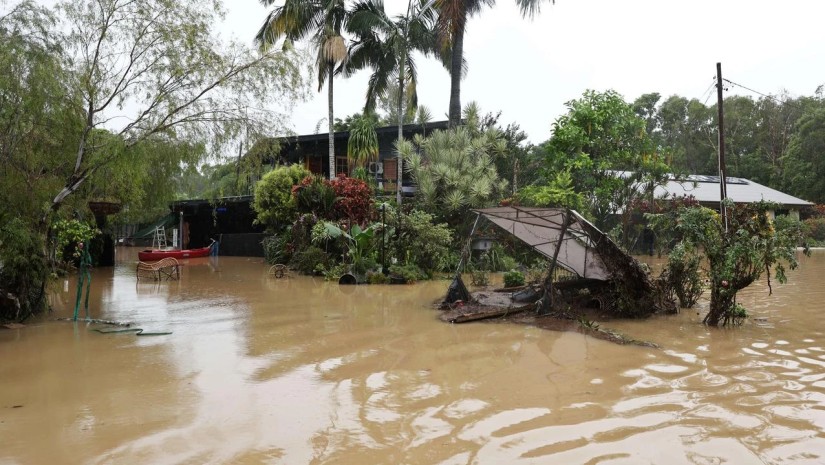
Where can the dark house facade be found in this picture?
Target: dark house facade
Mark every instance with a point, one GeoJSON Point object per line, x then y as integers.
{"type": "Point", "coordinates": [229, 220]}
{"type": "Point", "coordinates": [312, 151]}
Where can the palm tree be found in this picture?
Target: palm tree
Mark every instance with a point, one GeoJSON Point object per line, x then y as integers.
{"type": "Point", "coordinates": [386, 46]}
{"type": "Point", "coordinates": [322, 22]}
{"type": "Point", "coordinates": [452, 23]}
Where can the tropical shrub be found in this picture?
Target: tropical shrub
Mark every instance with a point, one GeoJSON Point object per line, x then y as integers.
{"type": "Point", "coordinates": [23, 271]}
{"type": "Point", "coordinates": [814, 229]}
{"type": "Point", "coordinates": [314, 195]}
{"type": "Point", "coordinates": [409, 272]}
{"type": "Point", "coordinates": [740, 252]}
{"type": "Point", "coordinates": [513, 278]}
{"type": "Point", "coordinates": [311, 260]}
{"type": "Point", "coordinates": [455, 170]}
{"type": "Point", "coordinates": [69, 233]}
{"type": "Point", "coordinates": [274, 203]}
{"type": "Point", "coordinates": [276, 249]}
{"type": "Point", "coordinates": [419, 241]}
{"type": "Point", "coordinates": [353, 200]}
{"type": "Point", "coordinates": [682, 274]}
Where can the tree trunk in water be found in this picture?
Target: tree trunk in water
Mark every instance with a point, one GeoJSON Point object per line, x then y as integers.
{"type": "Point", "coordinates": [331, 129]}
{"type": "Point", "coordinates": [721, 300]}
{"type": "Point", "coordinates": [455, 78]}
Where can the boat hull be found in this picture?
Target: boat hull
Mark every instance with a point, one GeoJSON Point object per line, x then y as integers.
{"type": "Point", "coordinates": [154, 255]}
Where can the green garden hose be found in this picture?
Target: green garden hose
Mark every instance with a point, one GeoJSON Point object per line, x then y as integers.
{"type": "Point", "coordinates": [137, 331]}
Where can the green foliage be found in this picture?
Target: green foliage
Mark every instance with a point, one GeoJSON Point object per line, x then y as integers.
{"type": "Point", "coordinates": [274, 203]}
{"type": "Point", "coordinates": [513, 278]}
{"type": "Point", "coordinates": [359, 242]}
{"type": "Point", "coordinates": [310, 261]}
{"type": "Point", "coordinates": [409, 272]}
{"type": "Point", "coordinates": [23, 271]}
{"type": "Point", "coordinates": [377, 278]}
{"type": "Point", "coordinates": [455, 170]}
{"type": "Point", "coordinates": [805, 169]}
{"type": "Point", "coordinates": [496, 259]}
{"type": "Point", "coordinates": [556, 191]}
{"type": "Point", "coordinates": [600, 149]}
{"type": "Point", "coordinates": [315, 195]}
{"type": "Point", "coordinates": [683, 274]}
{"type": "Point", "coordinates": [419, 241]}
{"type": "Point", "coordinates": [276, 249]}
{"type": "Point", "coordinates": [68, 234]}
{"type": "Point", "coordinates": [480, 278]}
{"type": "Point", "coordinates": [814, 229]}
{"type": "Point", "coordinates": [752, 244]}
{"type": "Point", "coordinates": [362, 147]}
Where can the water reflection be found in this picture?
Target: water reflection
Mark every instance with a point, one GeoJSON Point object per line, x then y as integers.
{"type": "Point", "coordinates": [297, 370]}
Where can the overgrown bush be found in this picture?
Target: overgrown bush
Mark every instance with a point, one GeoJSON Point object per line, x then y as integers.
{"type": "Point", "coordinates": [314, 195]}
{"type": "Point", "coordinates": [409, 272]}
{"type": "Point", "coordinates": [682, 274]}
{"type": "Point", "coordinates": [276, 249]}
{"type": "Point", "coordinates": [420, 242]}
{"type": "Point", "coordinates": [377, 278]}
{"type": "Point", "coordinates": [353, 199]}
{"type": "Point", "coordinates": [23, 271]}
{"type": "Point", "coordinates": [274, 202]}
{"type": "Point", "coordinates": [69, 233]}
{"type": "Point", "coordinates": [311, 261]}
{"type": "Point", "coordinates": [513, 278]}
{"type": "Point", "coordinates": [814, 229]}
{"type": "Point", "coordinates": [496, 259]}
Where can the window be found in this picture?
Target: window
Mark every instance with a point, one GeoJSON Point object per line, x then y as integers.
{"type": "Point", "coordinates": [341, 166]}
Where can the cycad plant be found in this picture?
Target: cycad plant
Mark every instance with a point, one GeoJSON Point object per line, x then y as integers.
{"type": "Point", "coordinates": [455, 170]}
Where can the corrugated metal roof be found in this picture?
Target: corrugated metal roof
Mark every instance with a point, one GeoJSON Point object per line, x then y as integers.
{"type": "Point", "coordinates": [706, 189]}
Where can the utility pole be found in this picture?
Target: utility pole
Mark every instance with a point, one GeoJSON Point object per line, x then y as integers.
{"type": "Point", "coordinates": [723, 187]}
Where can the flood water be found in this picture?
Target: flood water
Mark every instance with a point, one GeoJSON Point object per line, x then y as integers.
{"type": "Point", "coordinates": [299, 371]}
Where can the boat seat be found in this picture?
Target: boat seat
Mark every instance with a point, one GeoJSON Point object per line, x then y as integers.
{"type": "Point", "coordinates": [162, 270]}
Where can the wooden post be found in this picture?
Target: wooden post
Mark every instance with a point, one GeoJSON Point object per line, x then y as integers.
{"type": "Point", "coordinates": [548, 284]}
{"type": "Point", "coordinates": [723, 188]}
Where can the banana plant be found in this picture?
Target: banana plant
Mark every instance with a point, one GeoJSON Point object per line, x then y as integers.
{"type": "Point", "coordinates": [358, 243]}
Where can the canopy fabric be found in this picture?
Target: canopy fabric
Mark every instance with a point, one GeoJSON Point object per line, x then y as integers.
{"type": "Point", "coordinates": [147, 232]}
{"type": "Point", "coordinates": [541, 229]}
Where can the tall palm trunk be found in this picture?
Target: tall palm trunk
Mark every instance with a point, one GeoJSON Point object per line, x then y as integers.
{"type": "Point", "coordinates": [400, 164]}
{"type": "Point", "coordinates": [455, 77]}
{"type": "Point", "coordinates": [330, 69]}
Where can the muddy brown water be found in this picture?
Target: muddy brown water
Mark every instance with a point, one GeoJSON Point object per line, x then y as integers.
{"type": "Point", "coordinates": [300, 371]}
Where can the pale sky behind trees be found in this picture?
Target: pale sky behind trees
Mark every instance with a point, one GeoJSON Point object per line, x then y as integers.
{"type": "Point", "coordinates": [528, 68]}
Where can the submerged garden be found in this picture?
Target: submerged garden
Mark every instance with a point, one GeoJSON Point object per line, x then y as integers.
{"type": "Point", "coordinates": [72, 75]}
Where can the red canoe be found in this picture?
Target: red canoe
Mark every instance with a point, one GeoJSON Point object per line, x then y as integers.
{"type": "Point", "coordinates": [150, 255]}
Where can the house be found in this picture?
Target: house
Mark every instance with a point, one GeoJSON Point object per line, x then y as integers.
{"type": "Point", "coordinates": [229, 220]}
{"type": "Point", "coordinates": [312, 151]}
{"type": "Point", "coordinates": [706, 190]}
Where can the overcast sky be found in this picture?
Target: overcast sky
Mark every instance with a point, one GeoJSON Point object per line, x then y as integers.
{"type": "Point", "coordinates": [528, 69]}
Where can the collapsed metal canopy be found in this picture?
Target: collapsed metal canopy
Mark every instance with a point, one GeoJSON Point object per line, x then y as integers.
{"type": "Point", "coordinates": [541, 229]}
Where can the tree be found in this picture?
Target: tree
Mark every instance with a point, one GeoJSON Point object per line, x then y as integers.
{"type": "Point", "coordinates": [323, 22]}
{"type": "Point", "coordinates": [452, 24]}
{"type": "Point", "coordinates": [804, 164]}
{"type": "Point", "coordinates": [603, 146]}
{"type": "Point", "coordinates": [362, 146]}
{"type": "Point", "coordinates": [99, 98]}
{"type": "Point", "coordinates": [455, 170]}
{"type": "Point", "coordinates": [739, 254]}
{"type": "Point", "coordinates": [386, 45]}
{"type": "Point", "coordinates": [274, 202]}
{"type": "Point", "coordinates": [163, 61]}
